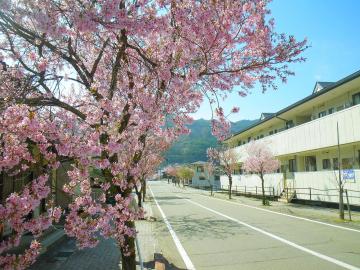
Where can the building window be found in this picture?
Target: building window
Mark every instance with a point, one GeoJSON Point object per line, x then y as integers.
{"type": "Point", "coordinates": [326, 164]}
{"type": "Point", "coordinates": [202, 177]}
{"type": "Point", "coordinates": [239, 143]}
{"type": "Point", "coordinates": [340, 108]}
{"type": "Point", "coordinates": [335, 164]}
{"type": "Point", "coordinates": [331, 110]}
{"type": "Point", "coordinates": [275, 131]}
{"type": "Point", "coordinates": [292, 165]}
{"type": "Point", "coordinates": [261, 136]}
{"type": "Point", "coordinates": [322, 114]}
{"type": "Point", "coordinates": [356, 99]}
{"type": "Point", "coordinates": [249, 139]}
{"type": "Point", "coordinates": [347, 163]}
{"type": "Point", "coordinates": [217, 177]}
{"type": "Point", "coordinates": [310, 163]}
{"type": "Point", "coordinates": [289, 124]}
{"type": "Point", "coordinates": [271, 132]}
{"type": "Point", "coordinates": [200, 169]}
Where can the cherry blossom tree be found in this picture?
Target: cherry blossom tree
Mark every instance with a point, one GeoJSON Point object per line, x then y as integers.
{"type": "Point", "coordinates": [89, 81]}
{"type": "Point", "coordinates": [226, 159]}
{"type": "Point", "coordinates": [260, 161]}
{"type": "Point", "coordinates": [172, 171]}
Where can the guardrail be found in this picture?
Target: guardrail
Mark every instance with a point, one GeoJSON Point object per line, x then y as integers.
{"type": "Point", "coordinates": [242, 190]}
{"type": "Point", "coordinates": [314, 193]}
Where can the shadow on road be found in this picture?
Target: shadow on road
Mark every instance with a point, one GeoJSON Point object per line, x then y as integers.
{"type": "Point", "coordinates": [159, 258]}
{"type": "Point", "coordinates": [197, 227]}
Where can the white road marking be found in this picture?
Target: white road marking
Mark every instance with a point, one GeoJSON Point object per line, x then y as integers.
{"type": "Point", "coordinates": [180, 248]}
{"type": "Point", "coordinates": [314, 253]}
{"type": "Point", "coordinates": [287, 215]}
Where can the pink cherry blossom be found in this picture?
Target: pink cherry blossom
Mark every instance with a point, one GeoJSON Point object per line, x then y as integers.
{"type": "Point", "coordinates": [107, 86]}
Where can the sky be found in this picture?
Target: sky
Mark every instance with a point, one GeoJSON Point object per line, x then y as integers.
{"type": "Point", "coordinates": [332, 29]}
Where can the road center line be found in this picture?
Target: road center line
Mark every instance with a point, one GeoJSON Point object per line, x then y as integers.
{"type": "Point", "coordinates": [287, 215]}
{"type": "Point", "coordinates": [304, 249]}
{"type": "Point", "coordinates": [180, 248]}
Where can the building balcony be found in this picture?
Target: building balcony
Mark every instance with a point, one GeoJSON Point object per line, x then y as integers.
{"type": "Point", "coordinates": [316, 134]}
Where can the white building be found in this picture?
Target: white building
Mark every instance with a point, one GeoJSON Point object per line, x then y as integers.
{"type": "Point", "coordinates": [303, 136]}
{"type": "Point", "coordinates": [202, 177]}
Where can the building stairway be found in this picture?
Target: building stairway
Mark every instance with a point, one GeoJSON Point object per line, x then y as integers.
{"type": "Point", "coordinates": [287, 195]}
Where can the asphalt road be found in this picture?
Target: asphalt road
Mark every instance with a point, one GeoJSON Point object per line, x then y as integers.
{"type": "Point", "coordinates": [200, 232]}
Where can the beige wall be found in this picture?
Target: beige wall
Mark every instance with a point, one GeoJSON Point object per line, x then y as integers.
{"type": "Point", "coordinates": [338, 97]}
{"type": "Point", "coordinates": [314, 135]}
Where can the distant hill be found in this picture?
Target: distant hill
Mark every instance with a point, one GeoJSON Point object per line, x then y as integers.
{"type": "Point", "coordinates": [193, 147]}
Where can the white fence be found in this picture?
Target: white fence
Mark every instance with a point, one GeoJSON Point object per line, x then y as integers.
{"type": "Point", "coordinates": [323, 186]}
{"type": "Point", "coordinates": [273, 183]}
{"type": "Point", "coordinates": [315, 186]}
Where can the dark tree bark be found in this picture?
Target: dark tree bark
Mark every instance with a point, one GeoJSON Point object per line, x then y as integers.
{"type": "Point", "coordinates": [230, 186]}
{"type": "Point", "coordinates": [143, 189]}
{"type": "Point", "coordinates": [263, 189]}
{"type": "Point", "coordinates": [128, 253]}
{"type": "Point", "coordinates": [341, 203]}
{"type": "Point", "coordinates": [129, 262]}
{"type": "Point", "coordinates": [138, 194]}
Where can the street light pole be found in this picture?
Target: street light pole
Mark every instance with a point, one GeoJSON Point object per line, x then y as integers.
{"type": "Point", "coordinates": [341, 198]}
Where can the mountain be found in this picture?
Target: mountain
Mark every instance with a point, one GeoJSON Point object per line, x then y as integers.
{"type": "Point", "coordinates": [192, 147]}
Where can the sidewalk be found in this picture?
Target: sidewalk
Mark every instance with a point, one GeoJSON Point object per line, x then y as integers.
{"type": "Point", "coordinates": [145, 238]}
{"type": "Point", "coordinates": [63, 254]}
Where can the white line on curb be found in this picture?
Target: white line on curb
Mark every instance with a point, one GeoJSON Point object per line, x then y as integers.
{"type": "Point", "coordinates": [180, 248]}
{"type": "Point", "coordinates": [287, 215]}
{"type": "Point", "coordinates": [314, 253]}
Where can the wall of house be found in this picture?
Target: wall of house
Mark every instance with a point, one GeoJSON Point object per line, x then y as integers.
{"type": "Point", "coordinates": [317, 134]}
{"type": "Point", "coordinates": [338, 104]}
{"type": "Point", "coordinates": [59, 179]}
{"type": "Point", "coordinates": [202, 178]}
{"type": "Point", "coordinates": [349, 152]}
{"type": "Point", "coordinates": [323, 185]}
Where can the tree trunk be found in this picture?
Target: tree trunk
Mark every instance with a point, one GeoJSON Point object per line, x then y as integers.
{"type": "Point", "coordinates": [230, 185]}
{"type": "Point", "coordinates": [138, 193]}
{"type": "Point", "coordinates": [129, 262]}
{"type": "Point", "coordinates": [341, 203]}
{"type": "Point", "coordinates": [263, 189]}
{"type": "Point", "coordinates": [144, 190]}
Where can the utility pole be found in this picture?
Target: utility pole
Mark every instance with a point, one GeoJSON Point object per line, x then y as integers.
{"type": "Point", "coordinates": [341, 198]}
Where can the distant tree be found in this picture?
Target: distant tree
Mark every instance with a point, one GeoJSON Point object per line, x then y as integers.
{"type": "Point", "coordinates": [185, 174]}
{"type": "Point", "coordinates": [260, 161]}
{"type": "Point", "coordinates": [226, 159]}
{"type": "Point", "coordinates": [172, 172]}
{"type": "Point", "coordinates": [152, 157]}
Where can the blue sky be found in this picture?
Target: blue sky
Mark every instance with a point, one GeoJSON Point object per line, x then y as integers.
{"type": "Point", "coordinates": [333, 31]}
